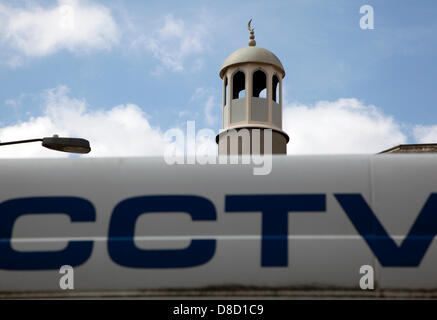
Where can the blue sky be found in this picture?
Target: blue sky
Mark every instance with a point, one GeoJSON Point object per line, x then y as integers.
{"type": "Point", "coordinates": [158, 62]}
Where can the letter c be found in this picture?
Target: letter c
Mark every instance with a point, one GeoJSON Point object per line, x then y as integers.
{"type": "Point", "coordinates": [76, 252]}
{"type": "Point", "coordinates": [121, 245]}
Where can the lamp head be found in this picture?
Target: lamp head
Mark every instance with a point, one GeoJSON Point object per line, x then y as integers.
{"type": "Point", "coordinates": [72, 145]}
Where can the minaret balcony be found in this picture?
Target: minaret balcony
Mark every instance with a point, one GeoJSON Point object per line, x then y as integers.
{"type": "Point", "coordinates": [238, 110]}
{"type": "Point", "coordinates": [259, 109]}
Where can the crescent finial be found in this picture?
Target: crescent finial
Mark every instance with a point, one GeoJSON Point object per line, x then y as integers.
{"type": "Point", "coordinates": [248, 25]}
{"type": "Point", "coordinates": [252, 41]}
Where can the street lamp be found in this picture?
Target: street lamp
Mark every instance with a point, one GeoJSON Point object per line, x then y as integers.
{"type": "Point", "coordinates": [72, 145]}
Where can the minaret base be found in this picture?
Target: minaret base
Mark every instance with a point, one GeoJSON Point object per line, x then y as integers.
{"type": "Point", "coordinates": [227, 141]}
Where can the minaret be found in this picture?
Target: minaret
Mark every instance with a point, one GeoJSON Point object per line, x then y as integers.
{"type": "Point", "coordinates": [252, 99]}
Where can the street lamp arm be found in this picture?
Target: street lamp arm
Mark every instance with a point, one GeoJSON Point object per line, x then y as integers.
{"type": "Point", "coordinates": [18, 142]}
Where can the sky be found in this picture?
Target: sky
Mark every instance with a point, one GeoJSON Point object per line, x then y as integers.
{"type": "Point", "coordinates": [123, 73]}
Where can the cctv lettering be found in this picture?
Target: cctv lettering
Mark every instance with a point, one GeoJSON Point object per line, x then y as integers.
{"type": "Point", "coordinates": [274, 210]}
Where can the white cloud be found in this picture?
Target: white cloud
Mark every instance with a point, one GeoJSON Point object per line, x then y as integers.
{"type": "Point", "coordinates": [210, 111]}
{"type": "Point", "coordinates": [212, 108]}
{"type": "Point", "coordinates": [74, 25]}
{"type": "Point", "coordinates": [328, 127]}
{"type": "Point", "coordinates": [175, 44]}
{"type": "Point", "coordinates": [342, 126]}
{"type": "Point", "coordinates": [425, 134]}
{"type": "Point", "coordinates": [123, 130]}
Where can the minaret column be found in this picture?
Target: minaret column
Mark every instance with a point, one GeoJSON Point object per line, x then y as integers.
{"type": "Point", "coordinates": [249, 89]}
{"type": "Point", "coordinates": [269, 93]}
